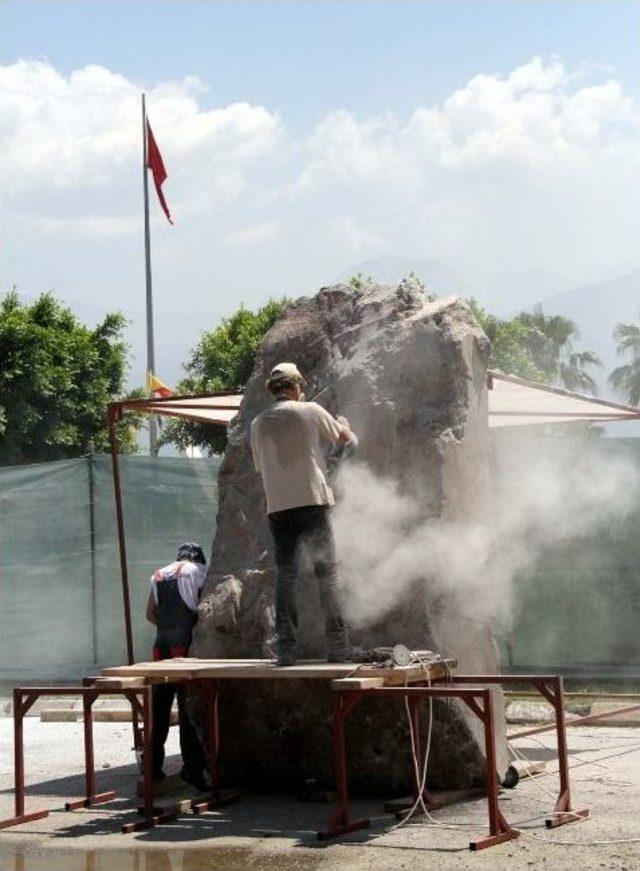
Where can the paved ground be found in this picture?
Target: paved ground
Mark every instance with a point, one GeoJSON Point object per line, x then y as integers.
{"type": "Point", "coordinates": [605, 777]}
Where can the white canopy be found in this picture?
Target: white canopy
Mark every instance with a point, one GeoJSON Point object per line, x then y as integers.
{"type": "Point", "coordinates": [513, 401]}
{"type": "Point", "coordinates": [218, 408]}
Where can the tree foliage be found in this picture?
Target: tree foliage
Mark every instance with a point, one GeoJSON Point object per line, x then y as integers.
{"type": "Point", "coordinates": [626, 378]}
{"type": "Point", "coordinates": [222, 360]}
{"type": "Point", "coordinates": [539, 347]}
{"type": "Point", "coordinates": [56, 378]}
{"type": "Point", "coordinates": [359, 280]}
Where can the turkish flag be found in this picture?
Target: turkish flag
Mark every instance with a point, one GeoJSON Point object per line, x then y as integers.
{"type": "Point", "coordinates": [156, 165]}
{"type": "Point", "coordinates": [158, 388]}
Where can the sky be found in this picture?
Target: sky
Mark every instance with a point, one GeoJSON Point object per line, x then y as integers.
{"type": "Point", "coordinates": [302, 139]}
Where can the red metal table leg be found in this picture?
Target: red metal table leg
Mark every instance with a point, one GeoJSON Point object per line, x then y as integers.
{"type": "Point", "coordinates": [20, 708]}
{"type": "Point", "coordinates": [499, 828]}
{"type": "Point", "coordinates": [219, 797]}
{"type": "Point", "coordinates": [151, 816]}
{"type": "Point", "coordinates": [339, 823]}
{"type": "Point", "coordinates": [563, 813]}
{"type": "Point", "coordinates": [91, 796]}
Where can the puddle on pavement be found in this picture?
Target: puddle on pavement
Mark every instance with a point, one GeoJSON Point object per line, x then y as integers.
{"type": "Point", "coordinates": [173, 859]}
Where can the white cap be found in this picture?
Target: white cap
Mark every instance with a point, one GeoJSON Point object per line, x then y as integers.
{"type": "Point", "coordinates": [287, 371]}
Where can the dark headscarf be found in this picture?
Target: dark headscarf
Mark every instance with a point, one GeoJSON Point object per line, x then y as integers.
{"type": "Point", "coordinates": [191, 551]}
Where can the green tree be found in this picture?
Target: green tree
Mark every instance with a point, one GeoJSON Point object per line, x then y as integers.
{"type": "Point", "coordinates": [538, 347]}
{"type": "Point", "coordinates": [222, 360]}
{"type": "Point", "coordinates": [551, 341]}
{"type": "Point", "coordinates": [626, 378]}
{"type": "Point", "coordinates": [509, 353]}
{"type": "Point", "coordinates": [359, 280]}
{"type": "Point", "coordinates": [56, 378]}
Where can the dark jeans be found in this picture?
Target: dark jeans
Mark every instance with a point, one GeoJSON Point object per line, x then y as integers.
{"type": "Point", "coordinates": [190, 747]}
{"type": "Point", "coordinates": [309, 528]}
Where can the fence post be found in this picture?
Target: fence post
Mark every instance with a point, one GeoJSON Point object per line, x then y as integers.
{"type": "Point", "coordinates": [92, 545]}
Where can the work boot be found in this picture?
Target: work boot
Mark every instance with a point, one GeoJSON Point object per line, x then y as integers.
{"type": "Point", "coordinates": [285, 659]}
{"type": "Point", "coordinates": [338, 646]}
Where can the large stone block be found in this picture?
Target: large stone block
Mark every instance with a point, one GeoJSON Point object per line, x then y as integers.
{"type": "Point", "coordinates": [410, 374]}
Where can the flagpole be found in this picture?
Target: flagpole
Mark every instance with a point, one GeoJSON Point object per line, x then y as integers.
{"type": "Point", "coordinates": [153, 431]}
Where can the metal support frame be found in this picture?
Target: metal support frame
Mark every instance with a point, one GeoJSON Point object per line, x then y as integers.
{"type": "Point", "coordinates": [219, 797]}
{"type": "Point", "coordinates": [141, 701]}
{"type": "Point", "coordinates": [153, 816]}
{"type": "Point", "coordinates": [551, 687]}
{"type": "Point", "coordinates": [23, 699]}
{"type": "Point", "coordinates": [478, 700]}
{"type": "Point", "coordinates": [578, 721]}
{"type": "Point", "coordinates": [115, 414]}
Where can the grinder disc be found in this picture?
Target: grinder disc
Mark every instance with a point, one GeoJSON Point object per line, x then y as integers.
{"type": "Point", "coordinates": [401, 655]}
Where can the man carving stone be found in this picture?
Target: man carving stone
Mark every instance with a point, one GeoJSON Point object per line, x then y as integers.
{"type": "Point", "coordinates": [289, 441]}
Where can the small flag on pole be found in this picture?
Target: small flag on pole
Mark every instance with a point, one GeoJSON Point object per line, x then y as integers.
{"type": "Point", "coordinates": [157, 388]}
{"type": "Point", "coordinates": [156, 165]}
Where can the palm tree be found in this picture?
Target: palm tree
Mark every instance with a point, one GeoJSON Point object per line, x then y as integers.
{"type": "Point", "coordinates": [550, 341]}
{"type": "Point", "coordinates": [626, 378]}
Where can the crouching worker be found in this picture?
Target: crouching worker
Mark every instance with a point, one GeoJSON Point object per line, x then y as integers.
{"type": "Point", "coordinates": [289, 442]}
{"type": "Point", "coordinates": [173, 608]}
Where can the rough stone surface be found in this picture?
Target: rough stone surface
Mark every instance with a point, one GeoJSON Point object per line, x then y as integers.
{"type": "Point", "coordinates": [410, 374]}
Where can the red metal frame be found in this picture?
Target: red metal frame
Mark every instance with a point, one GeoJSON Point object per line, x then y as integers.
{"type": "Point", "coordinates": [577, 721]}
{"type": "Point", "coordinates": [23, 699]}
{"type": "Point", "coordinates": [340, 823]}
{"type": "Point", "coordinates": [116, 411]}
{"type": "Point", "coordinates": [551, 687]}
{"type": "Point", "coordinates": [141, 702]}
{"type": "Point", "coordinates": [152, 816]}
{"type": "Point", "coordinates": [478, 699]}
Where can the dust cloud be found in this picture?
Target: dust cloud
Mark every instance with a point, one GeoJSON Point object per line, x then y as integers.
{"type": "Point", "coordinates": [545, 492]}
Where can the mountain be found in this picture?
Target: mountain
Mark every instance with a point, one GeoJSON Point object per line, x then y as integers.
{"type": "Point", "coordinates": [596, 309]}
{"type": "Point", "coordinates": [508, 293]}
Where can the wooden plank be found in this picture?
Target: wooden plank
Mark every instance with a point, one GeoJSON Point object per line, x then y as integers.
{"type": "Point", "coordinates": [401, 675]}
{"type": "Point", "coordinates": [357, 683]}
{"type": "Point", "coordinates": [123, 715]}
{"type": "Point", "coordinates": [119, 683]}
{"type": "Point", "coordinates": [155, 671]}
{"type": "Point", "coordinates": [528, 768]}
{"type": "Point", "coordinates": [60, 715]}
{"type": "Point", "coordinates": [266, 669]}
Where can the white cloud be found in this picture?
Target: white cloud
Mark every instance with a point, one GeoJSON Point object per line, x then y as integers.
{"type": "Point", "coordinates": [84, 131]}
{"type": "Point", "coordinates": [537, 168]}
{"type": "Point", "coordinates": [252, 236]}
{"type": "Point", "coordinates": [361, 241]}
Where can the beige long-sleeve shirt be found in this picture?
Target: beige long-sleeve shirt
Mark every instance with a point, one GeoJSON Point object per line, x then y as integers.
{"type": "Point", "coordinates": [289, 442]}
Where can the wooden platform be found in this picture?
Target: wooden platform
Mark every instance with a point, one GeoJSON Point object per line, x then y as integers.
{"type": "Point", "coordinates": [190, 668]}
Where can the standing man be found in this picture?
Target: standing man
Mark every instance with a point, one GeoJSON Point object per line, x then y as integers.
{"type": "Point", "coordinates": [173, 608]}
{"type": "Point", "coordinates": [289, 441]}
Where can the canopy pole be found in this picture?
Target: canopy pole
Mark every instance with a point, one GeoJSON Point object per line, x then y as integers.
{"type": "Point", "coordinates": [115, 413]}
{"type": "Point", "coordinates": [151, 365]}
